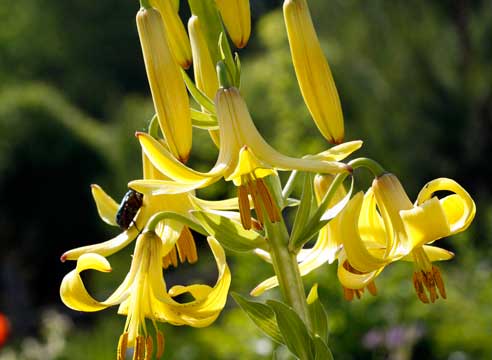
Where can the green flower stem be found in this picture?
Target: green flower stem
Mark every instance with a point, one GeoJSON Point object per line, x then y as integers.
{"type": "Point", "coordinates": [373, 166]}
{"type": "Point", "coordinates": [289, 186]}
{"type": "Point", "coordinates": [286, 268]}
{"type": "Point", "coordinates": [164, 215]}
{"type": "Point", "coordinates": [145, 4]}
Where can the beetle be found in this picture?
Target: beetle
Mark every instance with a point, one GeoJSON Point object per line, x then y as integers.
{"type": "Point", "coordinates": [129, 206]}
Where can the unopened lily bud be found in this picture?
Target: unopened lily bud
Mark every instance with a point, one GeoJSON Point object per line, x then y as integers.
{"type": "Point", "coordinates": [203, 67]}
{"type": "Point", "coordinates": [175, 31]}
{"type": "Point", "coordinates": [166, 84]}
{"type": "Point", "coordinates": [313, 73]}
{"type": "Point", "coordinates": [237, 19]}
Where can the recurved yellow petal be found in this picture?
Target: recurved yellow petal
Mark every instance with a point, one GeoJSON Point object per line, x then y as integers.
{"type": "Point", "coordinates": [425, 223]}
{"type": "Point", "coordinates": [167, 164]}
{"type": "Point", "coordinates": [237, 19]}
{"type": "Point", "coordinates": [175, 31]}
{"type": "Point", "coordinates": [106, 248]}
{"type": "Point", "coordinates": [338, 152]}
{"type": "Point", "coordinates": [313, 73]}
{"type": "Point", "coordinates": [106, 206]}
{"type": "Point", "coordinates": [166, 84]}
{"type": "Point", "coordinates": [72, 289]}
{"type": "Point", "coordinates": [353, 280]}
{"type": "Point", "coordinates": [355, 248]}
{"type": "Point", "coordinates": [434, 253]}
{"type": "Point", "coordinates": [460, 209]}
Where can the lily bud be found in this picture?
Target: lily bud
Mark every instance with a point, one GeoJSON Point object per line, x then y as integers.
{"type": "Point", "coordinates": [176, 33]}
{"type": "Point", "coordinates": [313, 73]}
{"type": "Point", "coordinates": [166, 84]}
{"type": "Point", "coordinates": [237, 19]}
{"type": "Point", "coordinates": [203, 67]}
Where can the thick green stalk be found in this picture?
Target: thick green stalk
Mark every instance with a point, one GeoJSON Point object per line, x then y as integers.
{"type": "Point", "coordinates": [286, 269]}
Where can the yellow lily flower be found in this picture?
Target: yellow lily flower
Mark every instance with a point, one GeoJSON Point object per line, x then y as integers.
{"type": "Point", "coordinates": [383, 226]}
{"type": "Point", "coordinates": [313, 72]}
{"type": "Point", "coordinates": [175, 31]}
{"type": "Point", "coordinates": [237, 19]}
{"type": "Point", "coordinates": [244, 157]}
{"type": "Point", "coordinates": [167, 86]}
{"type": "Point", "coordinates": [142, 295]}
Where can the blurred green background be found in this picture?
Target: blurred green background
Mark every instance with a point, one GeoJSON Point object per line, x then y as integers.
{"type": "Point", "coordinates": [415, 80]}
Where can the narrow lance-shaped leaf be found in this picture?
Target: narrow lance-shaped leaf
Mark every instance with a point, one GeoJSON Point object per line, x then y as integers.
{"type": "Point", "coordinates": [261, 315]}
{"type": "Point", "coordinates": [317, 313]}
{"type": "Point", "coordinates": [303, 213]}
{"type": "Point", "coordinates": [293, 329]}
{"type": "Point", "coordinates": [229, 233]}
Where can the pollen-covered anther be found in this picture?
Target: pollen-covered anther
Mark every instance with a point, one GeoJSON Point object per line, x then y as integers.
{"type": "Point", "coordinates": [428, 284]}
{"type": "Point", "coordinates": [160, 345]}
{"type": "Point", "coordinates": [149, 348]}
{"type": "Point", "coordinates": [349, 294]}
{"type": "Point", "coordinates": [140, 347]}
{"type": "Point", "coordinates": [185, 250]}
{"type": "Point", "coordinates": [122, 346]}
{"type": "Point", "coordinates": [262, 202]}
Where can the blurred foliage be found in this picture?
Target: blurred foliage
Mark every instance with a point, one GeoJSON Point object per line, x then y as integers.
{"type": "Point", "coordinates": [415, 81]}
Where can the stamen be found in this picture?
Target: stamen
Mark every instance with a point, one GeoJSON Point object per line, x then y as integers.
{"type": "Point", "coordinates": [266, 197]}
{"type": "Point", "coordinates": [348, 294]}
{"type": "Point", "coordinates": [373, 290]}
{"type": "Point", "coordinates": [170, 259]}
{"type": "Point", "coordinates": [419, 287]}
{"type": "Point", "coordinates": [139, 351]}
{"type": "Point", "coordinates": [256, 201]}
{"type": "Point", "coordinates": [430, 285]}
{"type": "Point", "coordinates": [149, 348]}
{"type": "Point", "coordinates": [186, 246]}
{"type": "Point", "coordinates": [122, 346]}
{"type": "Point", "coordinates": [244, 209]}
{"type": "Point", "coordinates": [160, 345]}
{"type": "Point", "coordinates": [439, 281]}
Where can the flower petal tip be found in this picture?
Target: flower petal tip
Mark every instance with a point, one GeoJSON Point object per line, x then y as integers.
{"type": "Point", "coordinates": [63, 258]}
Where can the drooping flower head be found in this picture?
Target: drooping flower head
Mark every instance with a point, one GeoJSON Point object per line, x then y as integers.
{"type": "Point", "coordinates": [383, 226]}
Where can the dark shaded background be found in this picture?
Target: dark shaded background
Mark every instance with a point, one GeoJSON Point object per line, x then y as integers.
{"type": "Point", "coordinates": [415, 83]}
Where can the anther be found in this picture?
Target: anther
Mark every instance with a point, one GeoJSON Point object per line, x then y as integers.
{"type": "Point", "coordinates": [439, 282]}
{"type": "Point", "coordinates": [244, 210]}
{"type": "Point", "coordinates": [149, 348]}
{"type": "Point", "coordinates": [139, 351]}
{"type": "Point", "coordinates": [160, 345]}
{"type": "Point", "coordinates": [122, 346]}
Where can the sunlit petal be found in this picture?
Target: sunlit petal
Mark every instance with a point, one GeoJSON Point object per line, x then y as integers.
{"type": "Point", "coordinates": [106, 206]}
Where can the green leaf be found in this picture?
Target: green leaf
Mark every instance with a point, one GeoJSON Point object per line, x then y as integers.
{"type": "Point", "coordinates": [227, 58]}
{"type": "Point", "coordinates": [321, 350]}
{"type": "Point", "coordinates": [154, 127]}
{"type": "Point", "coordinates": [322, 215]}
{"type": "Point", "coordinates": [303, 212]}
{"type": "Point", "coordinates": [204, 120]}
{"type": "Point", "coordinates": [262, 315]}
{"type": "Point", "coordinates": [229, 233]}
{"type": "Point", "coordinates": [317, 314]}
{"type": "Point", "coordinates": [293, 329]}
{"type": "Point", "coordinates": [197, 94]}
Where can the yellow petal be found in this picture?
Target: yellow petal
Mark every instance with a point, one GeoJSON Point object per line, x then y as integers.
{"type": "Point", "coordinates": [352, 280]}
{"type": "Point", "coordinates": [167, 164]}
{"type": "Point", "coordinates": [371, 225]}
{"type": "Point", "coordinates": [207, 304]}
{"type": "Point", "coordinates": [106, 248]}
{"type": "Point", "coordinates": [106, 206]}
{"type": "Point", "coordinates": [338, 152]}
{"type": "Point", "coordinates": [237, 19]}
{"type": "Point", "coordinates": [460, 210]}
{"type": "Point", "coordinates": [164, 187]}
{"type": "Point", "coordinates": [425, 223]}
{"type": "Point", "coordinates": [249, 164]}
{"type": "Point", "coordinates": [72, 289]}
{"type": "Point", "coordinates": [312, 71]}
{"type": "Point", "coordinates": [434, 253]}
{"type": "Point", "coordinates": [357, 252]}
